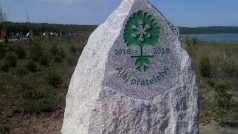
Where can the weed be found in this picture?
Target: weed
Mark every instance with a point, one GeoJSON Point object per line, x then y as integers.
{"type": "Point", "coordinates": [72, 50]}
{"type": "Point", "coordinates": [57, 53]}
{"type": "Point", "coordinates": [222, 102]}
{"type": "Point", "coordinates": [44, 59]}
{"type": "Point", "coordinates": [4, 67]}
{"type": "Point", "coordinates": [20, 52]}
{"type": "Point", "coordinates": [37, 106]}
{"type": "Point", "coordinates": [52, 78]}
{"type": "Point", "coordinates": [9, 60]}
{"type": "Point", "coordinates": [21, 69]}
{"type": "Point", "coordinates": [31, 66]}
{"type": "Point", "coordinates": [36, 52]}
{"type": "Point", "coordinates": [3, 51]}
{"type": "Point", "coordinates": [230, 69]}
{"type": "Point", "coordinates": [205, 67]}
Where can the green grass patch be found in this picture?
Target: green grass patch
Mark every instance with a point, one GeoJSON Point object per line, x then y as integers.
{"type": "Point", "coordinates": [216, 66]}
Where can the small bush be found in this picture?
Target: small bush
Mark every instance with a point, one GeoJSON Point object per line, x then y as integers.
{"type": "Point", "coordinates": [211, 82]}
{"type": "Point", "coordinates": [22, 69]}
{"type": "Point", "coordinates": [31, 66]}
{"type": "Point", "coordinates": [205, 67]}
{"type": "Point", "coordinates": [34, 94]}
{"type": "Point", "coordinates": [188, 41]}
{"type": "Point", "coordinates": [39, 55]}
{"type": "Point", "coordinates": [54, 50]}
{"type": "Point", "coordinates": [71, 60]}
{"type": "Point", "coordinates": [52, 79]}
{"type": "Point", "coordinates": [194, 40]}
{"type": "Point", "coordinates": [72, 50]}
{"type": "Point", "coordinates": [36, 53]}
{"type": "Point", "coordinates": [58, 54]}
{"type": "Point", "coordinates": [36, 101]}
{"type": "Point", "coordinates": [231, 70]}
{"type": "Point", "coordinates": [61, 52]}
{"type": "Point", "coordinates": [37, 106]}
{"type": "Point", "coordinates": [2, 52]}
{"type": "Point", "coordinates": [44, 60]}
{"type": "Point", "coordinates": [222, 102]}
{"type": "Point", "coordinates": [58, 59]}
{"type": "Point", "coordinates": [9, 60]}
{"type": "Point", "coordinates": [20, 52]}
{"type": "Point", "coordinates": [80, 49]}
{"type": "Point", "coordinates": [4, 66]}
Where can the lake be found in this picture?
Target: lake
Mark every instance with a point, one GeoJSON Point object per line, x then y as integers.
{"type": "Point", "coordinates": [214, 37]}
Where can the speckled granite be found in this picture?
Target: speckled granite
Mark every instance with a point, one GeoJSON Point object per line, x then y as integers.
{"type": "Point", "coordinates": [109, 94]}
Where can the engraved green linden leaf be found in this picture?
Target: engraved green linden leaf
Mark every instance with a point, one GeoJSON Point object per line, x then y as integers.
{"type": "Point", "coordinates": [141, 29]}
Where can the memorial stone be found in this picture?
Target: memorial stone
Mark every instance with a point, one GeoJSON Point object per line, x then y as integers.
{"type": "Point", "coordinates": [133, 77]}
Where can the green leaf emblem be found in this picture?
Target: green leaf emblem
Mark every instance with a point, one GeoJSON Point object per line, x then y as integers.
{"type": "Point", "coordinates": [141, 30]}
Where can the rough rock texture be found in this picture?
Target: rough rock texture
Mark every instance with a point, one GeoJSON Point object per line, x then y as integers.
{"type": "Point", "coordinates": [103, 99]}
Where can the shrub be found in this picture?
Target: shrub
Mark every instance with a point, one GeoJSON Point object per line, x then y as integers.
{"type": "Point", "coordinates": [39, 55]}
{"type": "Point", "coordinates": [194, 40]}
{"type": "Point", "coordinates": [230, 69]}
{"type": "Point", "coordinates": [44, 59]}
{"type": "Point", "coordinates": [36, 53]}
{"type": "Point", "coordinates": [54, 50]}
{"type": "Point", "coordinates": [37, 106]}
{"type": "Point", "coordinates": [58, 54]}
{"type": "Point", "coordinates": [22, 69]}
{"type": "Point", "coordinates": [205, 67]}
{"type": "Point", "coordinates": [71, 60]}
{"type": "Point", "coordinates": [222, 102]}
{"type": "Point", "coordinates": [52, 79]}
{"type": "Point", "coordinates": [9, 60]}
{"type": "Point", "coordinates": [36, 101]}
{"type": "Point", "coordinates": [4, 66]}
{"type": "Point", "coordinates": [57, 58]}
{"type": "Point", "coordinates": [20, 52]}
{"type": "Point", "coordinates": [188, 41]}
{"type": "Point", "coordinates": [31, 66]}
{"type": "Point", "coordinates": [72, 50]}
{"type": "Point", "coordinates": [61, 52]}
{"type": "Point", "coordinates": [30, 93]}
{"type": "Point", "coordinates": [80, 49]}
{"type": "Point", "coordinates": [211, 82]}
{"type": "Point", "coordinates": [2, 52]}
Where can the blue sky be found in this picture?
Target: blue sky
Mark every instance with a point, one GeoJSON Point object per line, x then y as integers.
{"type": "Point", "coordinates": [191, 13]}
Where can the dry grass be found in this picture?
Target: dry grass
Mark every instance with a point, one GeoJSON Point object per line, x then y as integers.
{"type": "Point", "coordinates": [34, 90]}
{"type": "Point", "coordinates": [223, 69]}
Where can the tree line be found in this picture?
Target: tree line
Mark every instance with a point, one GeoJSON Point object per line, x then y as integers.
{"type": "Point", "coordinates": [39, 28]}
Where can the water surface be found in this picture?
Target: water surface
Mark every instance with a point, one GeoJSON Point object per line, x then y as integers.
{"type": "Point", "coordinates": [213, 37]}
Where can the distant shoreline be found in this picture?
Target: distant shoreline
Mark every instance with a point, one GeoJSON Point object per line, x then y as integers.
{"type": "Point", "coordinates": [42, 27]}
{"type": "Point", "coordinates": [210, 30]}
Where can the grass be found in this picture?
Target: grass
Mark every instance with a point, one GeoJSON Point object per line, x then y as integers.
{"type": "Point", "coordinates": [34, 76]}
{"type": "Point", "coordinates": [216, 65]}
{"type": "Point", "coordinates": [34, 79]}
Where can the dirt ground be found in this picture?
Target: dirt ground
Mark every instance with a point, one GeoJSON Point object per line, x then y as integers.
{"type": "Point", "coordinates": [44, 124]}
{"type": "Point", "coordinates": [214, 128]}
